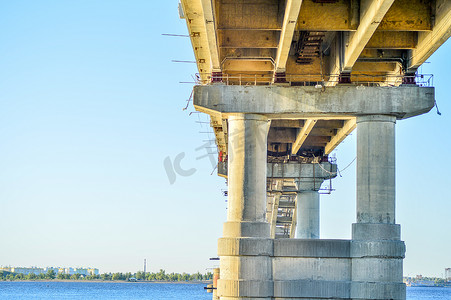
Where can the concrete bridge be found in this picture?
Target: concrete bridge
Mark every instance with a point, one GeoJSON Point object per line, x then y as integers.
{"type": "Point", "coordinates": [284, 82]}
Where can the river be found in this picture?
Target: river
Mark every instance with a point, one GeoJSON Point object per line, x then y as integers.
{"type": "Point", "coordinates": [137, 290]}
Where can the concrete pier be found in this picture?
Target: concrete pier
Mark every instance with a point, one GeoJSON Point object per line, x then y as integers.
{"type": "Point", "coordinates": [245, 264]}
{"type": "Point", "coordinates": [378, 251]}
{"type": "Point", "coordinates": [215, 284]}
{"type": "Point", "coordinates": [307, 204]}
{"type": "Point", "coordinates": [246, 212]}
{"type": "Point", "coordinates": [376, 169]}
{"type": "Point", "coordinates": [255, 266]}
{"type": "Point", "coordinates": [307, 179]}
{"type": "Point", "coordinates": [307, 212]}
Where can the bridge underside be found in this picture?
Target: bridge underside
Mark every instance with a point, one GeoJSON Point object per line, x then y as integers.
{"type": "Point", "coordinates": [312, 43]}
{"type": "Point", "coordinates": [285, 82]}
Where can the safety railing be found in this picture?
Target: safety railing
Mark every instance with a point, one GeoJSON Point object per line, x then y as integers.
{"type": "Point", "coordinates": [317, 80]}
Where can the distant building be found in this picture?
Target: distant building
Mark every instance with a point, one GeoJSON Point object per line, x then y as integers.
{"type": "Point", "coordinates": [37, 271]}
{"type": "Point", "coordinates": [81, 271]}
{"type": "Point", "coordinates": [448, 274]}
{"type": "Point", "coordinates": [69, 271]}
{"type": "Point", "coordinates": [93, 271]}
{"type": "Point", "coordinates": [27, 271]}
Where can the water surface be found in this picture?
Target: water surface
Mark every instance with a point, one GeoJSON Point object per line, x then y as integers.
{"type": "Point", "coordinates": [139, 290]}
{"type": "Point", "coordinates": [101, 290]}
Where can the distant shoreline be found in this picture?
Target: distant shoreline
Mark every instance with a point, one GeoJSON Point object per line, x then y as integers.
{"type": "Point", "coordinates": [115, 281]}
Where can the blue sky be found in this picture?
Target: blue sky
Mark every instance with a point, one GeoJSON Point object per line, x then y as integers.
{"type": "Point", "coordinates": [90, 107]}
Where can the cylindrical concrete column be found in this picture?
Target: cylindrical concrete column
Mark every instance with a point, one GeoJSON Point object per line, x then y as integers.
{"type": "Point", "coordinates": [247, 167]}
{"type": "Point", "coordinates": [246, 249]}
{"type": "Point", "coordinates": [307, 215]}
{"type": "Point", "coordinates": [376, 169]}
{"type": "Point", "coordinates": [307, 205]}
{"type": "Point", "coordinates": [247, 150]}
{"type": "Point", "coordinates": [376, 251]}
{"type": "Point", "coordinates": [215, 283]}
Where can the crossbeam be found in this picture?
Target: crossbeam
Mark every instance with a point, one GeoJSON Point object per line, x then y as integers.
{"type": "Point", "coordinates": [372, 13]}
{"type": "Point", "coordinates": [429, 42]}
{"type": "Point", "coordinates": [210, 29]}
{"type": "Point", "coordinates": [348, 127]}
{"type": "Point", "coordinates": [286, 36]}
{"type": "Point", "coordinates": [307, 102]}
{"type": "Point", "coordinates": [302, 135]}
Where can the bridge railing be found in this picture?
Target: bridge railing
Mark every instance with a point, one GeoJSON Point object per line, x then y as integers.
{"type": "Point", "coordinates": [316, 80]}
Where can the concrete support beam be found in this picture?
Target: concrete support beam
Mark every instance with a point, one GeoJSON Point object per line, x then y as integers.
{"type": "Point", "coordinates": [378, 70]}
{"type": "Point", "coordinates": [377, 231]}
{"type": "Point", "coordinates": [248, 53]}
{"type": "Point", "coordinates": [342, 133]}
{"type": "Point", "coordinates": [248, 38]}
{"type": "Point", "coordinates": [244, 64]}
{"type": "Point", "coordinates": [299, 200]}
{"type": "Point", "coordinates": [393, 40]}
{"type": "Point", "coordinates": [429, 42]}
{"type": "Point", "coordinates": [219, 126]}
{"type": "Point", "coordinates": [307, 215]}
{"type": "Point", "coordinates": [286, 36]}
{"type": "Point", "coordinates": [258, 15]}
{"type": "Point", "coordinates": [292, 170]}
{"type": "Point", "coordinates": [408, 15]}
{"type": "Point", "coordinates": [294, 221]}
{"type": "Point", "coordinates": [281, 135]}
{"type": "Point", "coordinates": [247, 171]}
{"type": "Point", "coordinates": [307, 203]}
{"type": "Point", "coordinates": [287, 123]}
{"type": "Point", "coordinates": [302, 135]}
{"type": "Point", "coordinates": [274, 210]}
{"type": "Point", "coordinates": [308, 102]}
{"type": "Point", "coordinates": [215, 283]}
{"type": "Point", "coordinates": [376, 169]}
{"type": "Point", "coordinates": [371, 14]}
{"type": "Point", "coordinates": [338, 16]}
{"type": "Point", "coordinates": [210, 29]}
{"type": "Point", "coordinates": [301, 171]}
{"type": "Point", "coordinates": [329, 132]}
{"type": "Point", "coordinates": [193, 12]}
{"type": "Point", "coordinates": [245, 263]}
{"type": "Point", "coordinates": [376, 250]}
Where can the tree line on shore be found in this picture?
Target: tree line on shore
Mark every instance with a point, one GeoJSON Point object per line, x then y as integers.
{"type": "Point", "coordinates": [160, 276]}
{"type": "Point", "coordinates": [436, 280]}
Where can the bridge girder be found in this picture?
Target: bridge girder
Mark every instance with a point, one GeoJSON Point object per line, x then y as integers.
{"type": "Point", "coordinates": [306, 42]}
